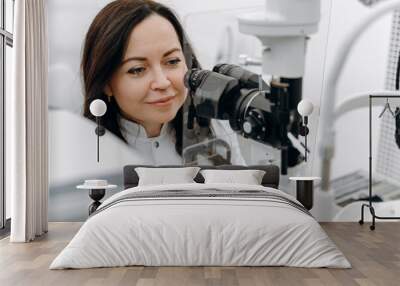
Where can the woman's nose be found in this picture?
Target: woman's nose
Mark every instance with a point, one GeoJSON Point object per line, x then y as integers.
{"type": "Point", "coordinates": [160, 80]}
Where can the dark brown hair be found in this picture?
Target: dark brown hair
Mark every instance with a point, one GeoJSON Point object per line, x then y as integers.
{"type": "Point", "coordinates": [105, 45]}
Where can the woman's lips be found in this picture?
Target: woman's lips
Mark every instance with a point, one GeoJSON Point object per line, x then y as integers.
{"type": "Point", "coordinates": [162, 101]}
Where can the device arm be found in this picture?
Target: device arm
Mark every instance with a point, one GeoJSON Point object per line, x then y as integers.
{"type": "Point", "coordinates": [328, 104]}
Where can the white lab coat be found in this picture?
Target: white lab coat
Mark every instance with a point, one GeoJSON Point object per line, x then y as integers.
{"type": "Point", "coordinates": [160, 150]}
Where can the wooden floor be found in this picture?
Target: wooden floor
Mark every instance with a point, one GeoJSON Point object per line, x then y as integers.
{"type": "Point", "coordinates": [374, 255]}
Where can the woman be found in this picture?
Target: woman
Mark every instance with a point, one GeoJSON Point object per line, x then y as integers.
{"type": "Point", "coordinates": [135, 58]}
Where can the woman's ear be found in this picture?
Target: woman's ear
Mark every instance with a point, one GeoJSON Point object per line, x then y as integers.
{"type": "Point", "coordinates": [107, 90]}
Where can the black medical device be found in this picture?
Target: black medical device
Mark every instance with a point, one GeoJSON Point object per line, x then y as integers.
{"type": "Point", "coordinates": [256, 110]}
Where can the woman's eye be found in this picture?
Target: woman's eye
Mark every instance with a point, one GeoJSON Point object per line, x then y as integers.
{"type": "Point", "coordinates": [136, 71]}
{"type": "Point", "coordinates": [173, 62]}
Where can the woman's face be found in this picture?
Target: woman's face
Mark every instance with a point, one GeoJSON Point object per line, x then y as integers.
{"type": "Point", "coordinates": [148, 85]}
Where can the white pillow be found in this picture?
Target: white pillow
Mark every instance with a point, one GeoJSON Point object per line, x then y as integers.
{"type": "Point", "coordinates": [248, 177]}
{"type": "Point", "coordinates": [162, 176]}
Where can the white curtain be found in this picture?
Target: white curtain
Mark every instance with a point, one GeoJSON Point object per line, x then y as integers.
{"type": "Point", "coordinates": [26, 123]}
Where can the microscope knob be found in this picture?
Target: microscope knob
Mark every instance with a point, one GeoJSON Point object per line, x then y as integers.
{"type": "Point", "coordinates": [247, 127]}
{"type": "Point", "coordinates": [253, 125]}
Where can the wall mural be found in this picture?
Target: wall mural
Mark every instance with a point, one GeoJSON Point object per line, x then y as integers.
{"type": "Point", "coordinates": [120, 94]}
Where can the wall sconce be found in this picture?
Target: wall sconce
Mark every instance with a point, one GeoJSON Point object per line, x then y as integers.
{"type": "Point", "coordinates": [98, 108]}
{"type": "Point", "coordinates": [305, 108]}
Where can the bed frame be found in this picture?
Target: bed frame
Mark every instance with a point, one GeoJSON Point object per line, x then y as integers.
{"type": "Point", "coordinates": [270, 179]}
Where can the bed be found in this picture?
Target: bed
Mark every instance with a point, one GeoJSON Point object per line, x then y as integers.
{"type": "Point", "coordinates": [201, 224]}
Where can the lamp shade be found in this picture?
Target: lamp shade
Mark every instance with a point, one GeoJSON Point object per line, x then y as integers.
{"type": "Point", "coordinates": [305, 107]}
{"type": "Point", "coordinates": [98, 107]}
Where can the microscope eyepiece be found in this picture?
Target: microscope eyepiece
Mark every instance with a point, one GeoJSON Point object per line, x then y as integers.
{"type": "Point", "coordinates": [193, 78]}
{"type": "Point", "coordinates": [246, 78]}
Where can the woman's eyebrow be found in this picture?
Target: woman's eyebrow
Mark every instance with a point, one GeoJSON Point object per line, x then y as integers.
{"type": "Point", "coordinates": [142, 59]}
{"type": "Point", "coordinates": [171, 51]}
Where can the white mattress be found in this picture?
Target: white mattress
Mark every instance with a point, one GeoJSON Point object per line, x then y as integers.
{"type": "Point", "coordinates": [200, 231]}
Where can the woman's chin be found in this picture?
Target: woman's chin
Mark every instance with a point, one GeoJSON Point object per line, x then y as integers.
{"type": "Point", "coordinates": [163, 117]}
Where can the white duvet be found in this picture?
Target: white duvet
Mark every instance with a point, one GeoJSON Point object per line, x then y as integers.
{"type": "Point", "coordinates": [200, 231]}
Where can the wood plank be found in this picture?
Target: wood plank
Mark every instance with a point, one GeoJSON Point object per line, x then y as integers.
{"type": "Point", "coordinates": [375, 257]}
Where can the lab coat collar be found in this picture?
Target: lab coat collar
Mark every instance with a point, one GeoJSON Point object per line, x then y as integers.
{"type": "Point", "coordinates": [133, 130]}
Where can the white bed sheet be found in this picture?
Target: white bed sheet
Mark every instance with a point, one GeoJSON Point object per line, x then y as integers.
{"type": "Point", "coordinates": [206, 231]}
